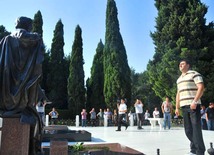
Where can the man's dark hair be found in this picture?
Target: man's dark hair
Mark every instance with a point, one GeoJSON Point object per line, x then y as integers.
{"type": "Point", "coordinates": [186, 60]}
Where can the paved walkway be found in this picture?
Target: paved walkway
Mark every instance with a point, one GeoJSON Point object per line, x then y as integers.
{"type": "Point", "coordinates": [147, 141]}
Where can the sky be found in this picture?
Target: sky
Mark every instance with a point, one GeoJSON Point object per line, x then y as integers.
{"type": "Point", "coordinates": [136, 21]}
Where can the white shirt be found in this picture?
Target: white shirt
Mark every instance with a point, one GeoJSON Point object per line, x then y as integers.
{"type": "Point", "coordinates": [40, 109]}
{"type": "Point", "coordinates": [156, 114]}
{"type": "Point", "coordinates": [122, 107]}
{"type": "Point", "coordinates": [147, 115]}
{"type": "Point", "coordinates": [139, 108]}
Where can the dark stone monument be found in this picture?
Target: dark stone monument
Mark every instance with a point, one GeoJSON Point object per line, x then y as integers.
{"type": "Point", "coordinates": [21, 56]}
{"type": "Point", "coordinates": [62, 132]}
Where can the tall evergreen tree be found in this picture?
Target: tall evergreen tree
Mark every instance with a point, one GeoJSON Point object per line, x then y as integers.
{"type": "Point", "coordinates": [95, 97]}
{"type": "Point", "coordinates": [117, 74]}
{"type": "Point", "coordinates": [76, 89]}
{"type": "Point", "coordinates": [180, 28]}
{"type": "Point", "coordinates": [3, 32]}
{"type": "Point", "coordinates": [38, 23]}
{"type": "Point", "coordinates": [37, 27]}
{"type": "Point", "coordinates": [57, 80]}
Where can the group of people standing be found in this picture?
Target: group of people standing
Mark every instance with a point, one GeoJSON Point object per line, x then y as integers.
{"type": "Point", "coordinates": [207, 117]}
{"type": "Point", "coordinates": [101, 115]}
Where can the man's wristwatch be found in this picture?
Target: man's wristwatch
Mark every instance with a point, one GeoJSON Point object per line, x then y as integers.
{"type": "Point", "coordinates": [195, 102]}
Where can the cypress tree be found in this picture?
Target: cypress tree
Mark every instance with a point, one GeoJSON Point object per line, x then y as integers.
{"type": "Point", "coordinates": [57, 80]}
{"type": "Point", "coordinates": [38, 23]}
{"type": "Point", "coordinates": [3, 32]}
{"type": "Point", "coordinates": [95, 97]}
{"type": "Point", "coordinates": [76, 89]}
{"type": "Point", "coordinates": [180, 28]}
{"type": "Point", "coordinates": [117, 74]}
{"type": "Point", "coordinates": [37, 27]}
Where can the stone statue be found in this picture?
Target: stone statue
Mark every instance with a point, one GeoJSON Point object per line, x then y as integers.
{"type": "Point", "coordinates": [21, 56]}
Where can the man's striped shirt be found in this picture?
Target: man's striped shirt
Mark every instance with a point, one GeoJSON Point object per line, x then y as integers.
{"type": "Point", "coordinates": [187, 88]}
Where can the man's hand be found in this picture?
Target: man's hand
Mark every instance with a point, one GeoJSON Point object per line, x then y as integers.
{"type": "Point", "coordinates": [193, 105]}
{"type": "Point", "coordinates": [177, 112]}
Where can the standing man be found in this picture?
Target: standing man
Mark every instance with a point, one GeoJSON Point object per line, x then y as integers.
{"type": "Point", "coordinates": [139, 113]}
{"type": "Point", "coordinates": [122, 109]}
{"type": "Point", "coordinates": [84, 117]}
{"type": "Point", "coordinates": [54, 116]}
{"type": "Point", "coordinates": [167, 109]}
{"type": "Point", "coordinates": [190, 88]}
{"type": "Point", "coordinates": [40, 107]}
{"type": "Point", "coordinates": [100, 115]}
{"type": "Point", "coordinates": [93, 117]}
{"type": "Point", "coordinates": [210, 116]}
{"type": "Point", "coordinates": [203, 118]}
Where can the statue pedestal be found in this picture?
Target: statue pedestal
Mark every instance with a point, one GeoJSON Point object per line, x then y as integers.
{"type": "Point", "coordinates": [14, 137]}
{"type": "Point", "coordinates": [59, 147]}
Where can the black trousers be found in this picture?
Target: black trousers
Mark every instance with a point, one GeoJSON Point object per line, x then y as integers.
{"type": "Point", "coordinates": [139, 119]}
{"type": "Point", "coordinates": [121, 121]}
{"type": "Point", "coordinates": [193, 131]}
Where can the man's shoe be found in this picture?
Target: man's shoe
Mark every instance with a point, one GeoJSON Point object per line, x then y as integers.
{"type": "Point", "coordinates": [117, 130]}
{"type": "Point", "coordinates": [139, 128]}
{"type": "Point", "coordinates": [127, 126]}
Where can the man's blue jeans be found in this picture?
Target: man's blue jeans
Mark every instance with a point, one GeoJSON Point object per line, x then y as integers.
{"type": "Point", "coordinates": [193, 131]}
{"type": "Point", "coordinates": [167, 119]}
{"type": "Point", "coordinates": [83, 122]}
{"type": "Point", "coordinates": [210, 124]}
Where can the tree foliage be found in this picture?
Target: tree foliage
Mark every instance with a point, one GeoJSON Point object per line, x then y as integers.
{"type": "Point", "coordinates": [180, 33]}
{"type": "Point", "coordinates": [76, 89]}
{"type": "Point", "coordinates": [3, 32]}
{"type": "Point", "coordinates": [142, 89]}
{"type": "Point", "coordinates": [95, 85]}
{"type": "Point", "coordinates": [117, 74]}
{"type": "Point", "coordinates": [37, 27]}
{"type": "Point", "coordinates": [38, 23]}
{"type": "Point", "coordinates": [57, 79]}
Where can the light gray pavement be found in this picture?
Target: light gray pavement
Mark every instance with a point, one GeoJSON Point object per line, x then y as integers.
{"type": "Point", "coordinates": [170, 142]}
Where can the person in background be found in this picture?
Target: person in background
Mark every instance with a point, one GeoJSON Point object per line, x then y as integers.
{"type": "Point", "coordinates": [147, 114]}
{"type": "Point", "coordinates": [139, 113]}
{"type": "Point", "coordinates": [210, 116]}
{"type": "Point", "coordinates": [115, 117]}
{"type": "Point", "coordinates": [122, 109]}
{"type": "Point", "coordinates": [100, 115]}
{"type": "Point", "coordinates": [93, 117]}
{"type": "Point", "coordinates": [203, 117]}
{"type": "Point", "coordinates": [156, 113]}
{"type": "Point", "coordinates": [167, 109]}
{"type": "Point", "coordinates": [190, 88]}
{"type": "Point", "coordinates": [54, 116]}
{"type": "Point", "coordinates": [40, 107]}
{"type": "Point", "coordinates": [109, 116]}
{"type": "Point", "coordinates": [83, 117]}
